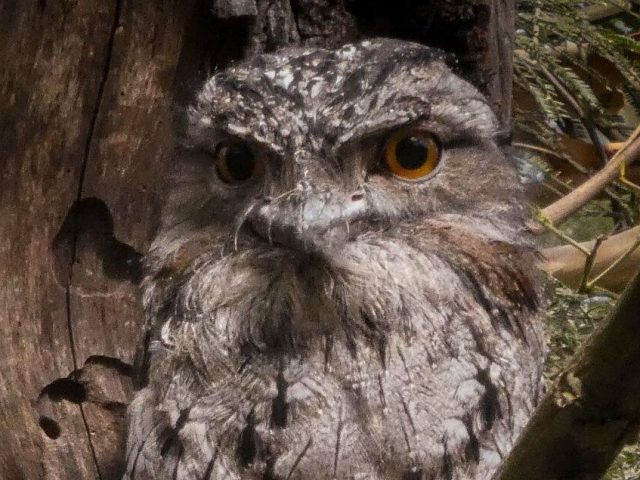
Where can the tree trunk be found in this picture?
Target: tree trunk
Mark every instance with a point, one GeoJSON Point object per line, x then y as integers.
{"type": "Point", "coordinates": [88, 90]}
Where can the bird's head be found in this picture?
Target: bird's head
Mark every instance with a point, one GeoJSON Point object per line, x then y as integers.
{"type": "Point", "coordinates": [316, 186]}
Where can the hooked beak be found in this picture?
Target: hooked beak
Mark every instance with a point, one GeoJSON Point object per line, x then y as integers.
{"type": "Point", "coordinates": [308, 220]}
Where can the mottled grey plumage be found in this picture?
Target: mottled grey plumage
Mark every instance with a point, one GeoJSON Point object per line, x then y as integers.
{"type": "Point", "coordinates": [330, 320]}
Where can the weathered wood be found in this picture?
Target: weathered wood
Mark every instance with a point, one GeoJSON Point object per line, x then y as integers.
{"type": "Point", "coordinates": [52, 57]}
{"type": "Point", "coordinates": [129, 148]}
{"type": "Point", "coordinates": [85, 133]}
{"type": "Point", "coordinates": [88, 90]}
{"type": "Point", "coordinates": [497, 58]}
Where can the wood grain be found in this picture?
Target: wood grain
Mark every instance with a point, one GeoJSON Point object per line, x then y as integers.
{"type": "Point", "coordinates": [88, 94]}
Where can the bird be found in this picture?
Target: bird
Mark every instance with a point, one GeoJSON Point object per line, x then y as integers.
{"type": "Point", "coordinates": [342, 285]}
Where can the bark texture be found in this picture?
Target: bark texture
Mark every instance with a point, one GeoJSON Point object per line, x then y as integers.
{"type": "Point", "coordinates": [88, 93]}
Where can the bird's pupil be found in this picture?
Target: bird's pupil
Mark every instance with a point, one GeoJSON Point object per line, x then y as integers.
{"type": "Point", "coordinates": [412, 153]}
{"type": "Point", "coordinates": [240, 162]}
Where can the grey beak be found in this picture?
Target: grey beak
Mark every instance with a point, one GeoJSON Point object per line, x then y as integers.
{"type": "Point", "coordinates": [308, 219]}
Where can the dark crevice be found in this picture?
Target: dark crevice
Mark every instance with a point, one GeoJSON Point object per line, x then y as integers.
{"type": "Point", "coordinates": [477, 287]}
{"type": "Point", "coordinates": [182, 419]}
{"type": "Point", "coordinates": [141, 362]}
{"type": "Point", "coordinates": [249, 442]}
{"type": "Point", "coordinates": [89, 226]}
{"type": "Point", "coordinates": [116, 408]}
{"type": "Point", "coordinates": [413, 475]}
{"type": "Point", "coordinates": [299, 458]}
{"type": "Point", "coordinates": [382, 352]}
{"type": "Point", "coordinates": [233, 34]}
{"type": "Point", "coordinates": [101, 87]}
{"type": "Point", "coordinates": [177, 466]}
{"type": "Point", "coordinates": [296, 10]}
{"type": "Point", "coordinates": [489, 403]}
{"type": "Point", "coordinates": [49, 427]}
{"type": "Point", "coordinates": [328, 350]}
{"type": "Point", "coordinates": [89, 223]}
{"type": "Point", "coordinates": [247, 350]}
{"type": "Point", "coordinates": [336, 454]}
{"type": "Point", "coordinates": [279, 406]}
{"type": "Point", "coordinates": [209, 470]}
{"type": "Point", "coordinates": [377, 334]}
{"type": "Point", "coordinates": [459, 28]}
{"type": "Point", "coordinates": [472, 449]}
{"type": "Point", "coordinates": [72, 387]}
{"type": "Point", "coordinates": [447, 465]}
{"type": "Point", "coordinates": [168, 438]}
{"type": "Point", "coordinates": [65, 389]}
{"type": "Point", "coordinates": [269, 470]}
{"type": "Point", "coordinates": [202, 44]}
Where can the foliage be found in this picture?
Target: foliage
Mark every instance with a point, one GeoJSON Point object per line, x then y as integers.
{"type": "Point", "coordinates": [574, 72]}
{"type": "Point", "coordinates": [556, 64]}
{"type": "Point", "coordinates": [573, 80]}
{"type": "Point", "coordinates": [571, 318]}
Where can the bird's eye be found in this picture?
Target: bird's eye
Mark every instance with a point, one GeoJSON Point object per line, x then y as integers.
{"type": "Point", "coordinates": [236, 163]}
{"type": "Point", "coordinates": [411, 155]}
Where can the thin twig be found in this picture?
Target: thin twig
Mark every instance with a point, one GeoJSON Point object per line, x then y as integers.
{"type": "Point", "coordinates": [566, 185]}
{"type": "Point", "coordinates": [547, 151]}
{"type": "Point", "coordinates": [580, 112]}
{"type": "Point", "coordinates": [630, 184]}
{"type": "Point", "coordinates": [614, 264]}
{"type": "Point", "coordinates": [572, 202]}
{"type": "Point", "coordinates": [579, 168]}
{"type": "Point", "coordinates": [588, 263]}
{"type": "Point", "coordinates": [604, 291]}
{"type": "Point", "coordinates": [552, 189]}
{"type": "Point", "coordinates": [559, 233]}
{"type": "Point", "coordinates": [625, 181]}
{"type": "Point", "coordinates": [566, 263]}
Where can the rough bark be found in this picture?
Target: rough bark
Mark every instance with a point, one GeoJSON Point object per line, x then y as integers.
{"type": "Point", "coordinates": [591, 410]}
{"type": "Point", "coordinates": [85, 138]}
{"type": "Point", "coordinates": [88, 91]}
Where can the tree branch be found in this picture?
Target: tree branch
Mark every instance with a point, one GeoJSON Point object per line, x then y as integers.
{"type": "Point", "coordinates": [591, 410]}
{"type": "Point", "coordinates": [572, 202]}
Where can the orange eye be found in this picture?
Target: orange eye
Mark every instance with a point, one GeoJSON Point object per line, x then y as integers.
{"type": "Point", "coordinates": [411, 154]}
{"type": "Point", "coordinates": [236, 163]}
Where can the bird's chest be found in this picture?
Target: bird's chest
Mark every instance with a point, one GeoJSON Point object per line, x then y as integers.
{"type": "Point", "coordinates": [368, 413]}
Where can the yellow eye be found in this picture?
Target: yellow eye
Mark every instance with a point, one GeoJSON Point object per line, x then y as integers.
{"type": "Point", "coordinates": [236, 163]}
{"type": "Point", "coordinates": [411, 154]}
